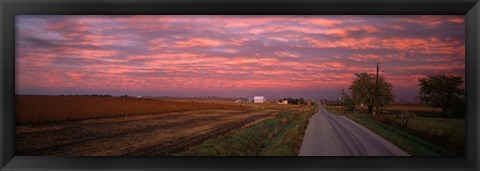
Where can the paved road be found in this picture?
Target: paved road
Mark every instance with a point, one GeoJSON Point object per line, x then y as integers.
{"type": "Point", "coordinates": [333, 135]}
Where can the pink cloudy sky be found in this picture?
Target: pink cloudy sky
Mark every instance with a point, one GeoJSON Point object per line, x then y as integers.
{"type": "Point", "coordinates": [232, 56]}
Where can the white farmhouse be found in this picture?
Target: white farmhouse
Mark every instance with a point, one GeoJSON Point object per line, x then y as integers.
{"type": "Point", "coordinates": [259, 99]}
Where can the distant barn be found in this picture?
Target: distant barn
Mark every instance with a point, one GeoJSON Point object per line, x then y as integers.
{"type": "Point", "coordinates": [259, 99]}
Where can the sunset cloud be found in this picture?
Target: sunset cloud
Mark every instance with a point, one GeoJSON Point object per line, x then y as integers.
{"type": "Point", "coordinates": [275, 56]}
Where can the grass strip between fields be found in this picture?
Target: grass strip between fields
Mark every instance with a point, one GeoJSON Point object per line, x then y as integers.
{"type": "Point", "coordinates": [278, 136]}
{"type": "Point", "coordinates": [409, 143]}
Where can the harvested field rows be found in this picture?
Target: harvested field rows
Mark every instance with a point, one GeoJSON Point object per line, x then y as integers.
{"type": "Point", "coordinates": [140, 135]}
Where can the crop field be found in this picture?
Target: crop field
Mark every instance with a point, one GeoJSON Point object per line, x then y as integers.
{"type": "Point", "coordinates": [413, 108]}
{"type": "Point", "coordinates": [114, 126]}
{"type": "Point", "coordinates": [38, 109]}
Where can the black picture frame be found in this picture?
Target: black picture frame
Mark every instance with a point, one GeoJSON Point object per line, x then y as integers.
{"type": "Point", "coordinates": [10, 8]}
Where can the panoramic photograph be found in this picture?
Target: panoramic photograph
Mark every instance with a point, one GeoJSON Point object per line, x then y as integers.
{"type": "Point", "coordinates": [240, 85]}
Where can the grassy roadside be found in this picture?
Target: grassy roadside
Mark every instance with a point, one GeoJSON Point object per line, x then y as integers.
{"type": "Point", "coordinates": [409, 143]}
{"type": "Point", "coordinates": [278, 136]}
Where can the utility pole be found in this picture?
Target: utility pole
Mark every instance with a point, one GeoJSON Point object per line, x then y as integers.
{"type": "Point", "coordinates": [343, 101]}
{"type": "Point", "coordinates": [377, 91]}
{"type": "Point", "coordinates": [378, 68]}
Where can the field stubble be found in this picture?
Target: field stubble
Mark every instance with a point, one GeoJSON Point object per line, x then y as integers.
{"type": "Point", "coordinates": [150, 131]}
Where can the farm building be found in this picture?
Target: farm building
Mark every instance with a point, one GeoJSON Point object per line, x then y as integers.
{"type": "Point", "coordinates": [283, 102]}
{"type": "Point", "coordinates": [259, 99]}
{"type": "Point", "coordinates": [238, 101]}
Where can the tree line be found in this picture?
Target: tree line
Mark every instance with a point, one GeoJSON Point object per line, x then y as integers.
{"type": "Point", "coordinates": [442, 91]}
{"type": "Point", "coordinates": [294, 100]}
{"type": "Point", "coordinates": [93, 95]}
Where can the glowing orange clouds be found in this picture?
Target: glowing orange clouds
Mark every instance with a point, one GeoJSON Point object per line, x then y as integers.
{"type": "Point", "coordinates": [275, 56]}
